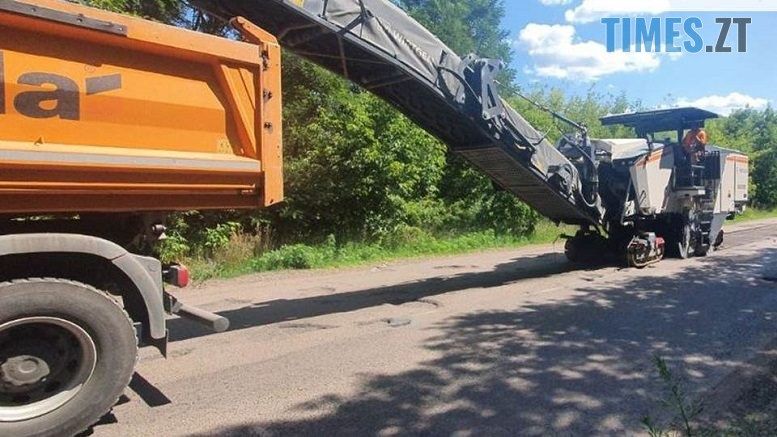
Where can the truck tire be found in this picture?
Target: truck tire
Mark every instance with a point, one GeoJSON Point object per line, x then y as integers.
{"type": "Point", "coordinates": [67, 352]}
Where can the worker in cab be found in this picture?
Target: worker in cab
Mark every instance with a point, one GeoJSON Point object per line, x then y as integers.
{"type": "Point", "coordinates": [695, 144]}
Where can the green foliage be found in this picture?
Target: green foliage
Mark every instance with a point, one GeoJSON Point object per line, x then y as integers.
{"type": "Point", "coordinates": [219, 237]}
{"type": "Point", "coordinates": [764, 175]}
{"type": "Point", "coordinates": [354, 167]}
{"type": "Point", "coordinates": [297, 256]}
{"type": "Point", "coordinates": [756, 214]}
{"type": "Point", "coordinates": [473, 26]}
{"type": "Point", "coordinates": [195, 234]}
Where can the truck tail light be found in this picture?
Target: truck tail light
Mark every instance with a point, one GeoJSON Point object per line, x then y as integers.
{"type": "Point", "coordinates": [177, 275]}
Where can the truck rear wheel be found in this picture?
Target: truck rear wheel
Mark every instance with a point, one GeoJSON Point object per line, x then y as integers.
{"type": "Point", "coordinates": [67, 352]}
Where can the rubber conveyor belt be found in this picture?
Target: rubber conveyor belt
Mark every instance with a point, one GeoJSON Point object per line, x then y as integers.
{"type": "Point", "coordinates": [378, 46]}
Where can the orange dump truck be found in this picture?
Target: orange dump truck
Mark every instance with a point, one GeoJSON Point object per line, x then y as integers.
{"type": "Point", "coordinates": [107, 123]}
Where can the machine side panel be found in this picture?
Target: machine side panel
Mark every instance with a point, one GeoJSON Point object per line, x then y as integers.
{"type": "Point", "coordinates": [652, 176]}
{"type": "Point", "coordinates": [728, 182]}
{"type": "Point", "coordinates": [742, 179]}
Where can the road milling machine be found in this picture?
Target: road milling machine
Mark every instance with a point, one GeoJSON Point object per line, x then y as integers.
{"type": "Point", "coordinates": [110, 122]}
{"type": "Point", "coordinates": [632, 198]}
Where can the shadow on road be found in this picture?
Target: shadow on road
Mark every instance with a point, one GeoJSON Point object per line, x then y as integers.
{"type": "Point", "coordinates": [284, 310]}
{"type": "Point", "coordinates": [580, 366]}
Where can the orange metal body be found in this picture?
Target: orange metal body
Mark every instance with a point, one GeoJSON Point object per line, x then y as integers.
{"type": "Point", "coordinates": [136, 116]}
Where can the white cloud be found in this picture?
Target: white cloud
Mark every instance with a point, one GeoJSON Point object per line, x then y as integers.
{"type": "Point", "coordinates": [725, 105]}
{"type": "Point", "coordinates": [593, 10]}
{"type": "Point", "coordinates": [557, 52]}
{"type": "Point", "coordinates": [555, 2]}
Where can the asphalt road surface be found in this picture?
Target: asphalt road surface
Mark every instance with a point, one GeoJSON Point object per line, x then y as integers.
{"type": "Point", "coordinates": [511, 342]}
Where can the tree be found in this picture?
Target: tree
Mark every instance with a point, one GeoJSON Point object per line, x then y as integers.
{"type": "Point", "coordinates": [474, 26]}
{"type": "Point", "coordinates": [764, 175]}
{"type": "Point", "coordinates": [354, 166]}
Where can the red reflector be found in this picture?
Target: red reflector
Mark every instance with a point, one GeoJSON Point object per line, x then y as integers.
{"type": "Point", "coordinates": [182, 276]}
{"type": "Point", "coordinates": [177, 275]}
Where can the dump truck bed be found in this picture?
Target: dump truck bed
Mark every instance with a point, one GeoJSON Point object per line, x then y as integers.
{"type": "Point", "coordinates": [109, 113]}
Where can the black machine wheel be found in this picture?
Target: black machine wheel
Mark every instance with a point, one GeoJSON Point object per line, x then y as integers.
{"type": "Point", "coordinates": [67, 352]}
{"type": "Point", "coordinates": [573, 251]}
{"type": "Point", "coordinates": [586, 248]}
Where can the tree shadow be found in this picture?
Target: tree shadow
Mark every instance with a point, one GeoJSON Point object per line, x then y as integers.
{"type": "Point", "coordinates": [284, 310]}
{"type": "Point", "coordinates": [580, 366]}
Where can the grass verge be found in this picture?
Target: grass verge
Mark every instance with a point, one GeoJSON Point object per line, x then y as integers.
{"type": "Point", "coordinates": [333, 255]}
{"type": "Point", "coordinates": [237, 258]}
{"type": "Point", "coordinates": [756, 214]}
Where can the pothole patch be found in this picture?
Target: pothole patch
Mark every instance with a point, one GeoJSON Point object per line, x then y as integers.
{"type": "Point", "coordinates": [397, 322]}
{"type": "Point", "coordinates": [424, 303]}
{"type": "Point", "coordinates": [306, 326]}
{"type": "Point", "coordinates": [181, 352]}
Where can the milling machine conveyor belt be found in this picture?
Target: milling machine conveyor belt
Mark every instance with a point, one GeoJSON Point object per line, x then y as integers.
{"type": "Point", "coordinates": [378, 46]}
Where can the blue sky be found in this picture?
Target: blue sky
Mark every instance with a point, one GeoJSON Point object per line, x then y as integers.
{"type": "Point", "coordinates": [561, 50]}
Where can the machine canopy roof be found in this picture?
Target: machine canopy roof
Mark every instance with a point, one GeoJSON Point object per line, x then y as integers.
{"type": "Point", "coordinates": [661, 120]}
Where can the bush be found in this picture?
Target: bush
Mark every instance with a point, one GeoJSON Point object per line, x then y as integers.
{"type": "Point", "coordinates": [505, 214]}
{"type": "Point", "coordinates": [354, 166]}
{"type": "Point", "coordinates": [173, 248]}
{"type": "Point", "coordinates": [297, 256]}
{"type": "Point", "coordinates": [215, 239]}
